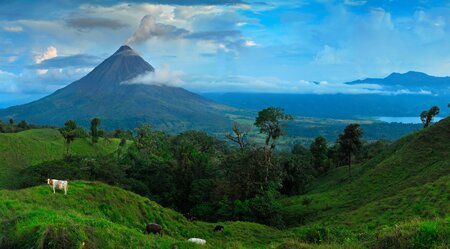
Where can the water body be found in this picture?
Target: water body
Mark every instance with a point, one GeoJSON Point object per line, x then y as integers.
{"type": "Point", "coordinates": [405, 120]}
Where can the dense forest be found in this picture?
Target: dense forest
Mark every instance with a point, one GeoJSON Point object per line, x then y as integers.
{"type": "Point", "coordinates": [204, 177]}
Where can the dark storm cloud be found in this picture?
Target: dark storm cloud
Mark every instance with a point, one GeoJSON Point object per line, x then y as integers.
{"type": "Point", "coordinates": [87, 23]}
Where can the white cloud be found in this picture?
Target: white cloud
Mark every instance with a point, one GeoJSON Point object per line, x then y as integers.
{"type": "Point", "coordinates": [328, 55]}
{"type": "Point", "coordinates": [33, 82]}
{"type": "Point", "coordinates": [241, 83]}
{"type": "Point", "coordinates": [51, 52]}
{"type": "Point", "coordinates": [355, 2]}
{"type": "Point", "coordinates": [249, 43]}
{"type": "Point", "coordinates": [5, 73]}
{"type": "Point", "coordinates": [160, 77]}
{"type": "Point", "coordinates": [13, 29]}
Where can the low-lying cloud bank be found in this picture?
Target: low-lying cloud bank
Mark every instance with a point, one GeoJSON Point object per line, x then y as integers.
{"type": "Point", "coordinates": [207, 83]}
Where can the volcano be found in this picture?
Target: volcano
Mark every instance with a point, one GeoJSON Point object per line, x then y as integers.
{"type": "Point", "coordinates": [103, 94]}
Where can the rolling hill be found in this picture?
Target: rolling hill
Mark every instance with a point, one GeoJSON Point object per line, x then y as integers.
{"type": "Point", "coordinates": [104, 93]}
{"type": "Point", "coordinates": [31, 147]}
{"type": "Point", "coordinates": [399, 199]}
{"type": "Point", "coordinates": [408, 180]}
{"type": "Point", "coordinates": [95, 215]}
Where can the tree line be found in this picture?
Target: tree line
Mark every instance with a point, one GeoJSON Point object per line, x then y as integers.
{"type": "Point", "coordinates": [206, 178]}
{"type": "Point", "coordinates": [10, 126]}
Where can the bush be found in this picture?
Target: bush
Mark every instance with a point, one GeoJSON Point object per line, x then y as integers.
{"type": "Point", "coordinates": [418, 235]}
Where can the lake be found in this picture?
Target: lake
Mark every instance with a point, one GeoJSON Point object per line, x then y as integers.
{"type": "Point", "coordinates": [405, 120]}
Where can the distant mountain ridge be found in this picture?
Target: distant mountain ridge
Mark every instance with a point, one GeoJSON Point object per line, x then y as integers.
{"type": "Point", "coordinates": [412, 81]}
{"type": "Point", "coordinates": [101, 93]}
{"type": "Point", "coordinates": [407, 95]}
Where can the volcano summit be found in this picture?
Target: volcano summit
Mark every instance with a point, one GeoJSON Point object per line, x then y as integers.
{"type": "Point", "coordinates": [102, 93]}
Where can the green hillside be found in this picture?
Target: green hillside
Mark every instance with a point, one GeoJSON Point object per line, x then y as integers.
{"type": "Point", "coordinates": [399, 199]}
{"type": "Point", "coordinates": [101, 216]}
{"type": "Point", "coordinates": [411, 179]}
{"type": "Point", "coordinates": [31, 147]}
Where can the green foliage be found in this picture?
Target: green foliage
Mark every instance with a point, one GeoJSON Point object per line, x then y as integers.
{"type": "Point", "coordinates": [95, 133]}
{"type": "Point", "coordinates": [69, 132]}
{"type": "Point", "coordinates": [297, 173]}
{"type": "Point", "coordinates": [269, 122]}
{"type": "Point", "coordinates": [417, 234]}
{"type": "Point", "coordinates": [12, 127]}
{"type": "Point", "coordinates": [33, 147]}
{"type": "Point", "coordinates": [202, 177]}
{"type": "Point", "coordinates": [319, 151]}
{"type": "Point", "coordinates": [95, 215]}
{"type": "Point", "coordinates": [408, 179]}
{"type": "Point", "coordinates": [350, 142]}
{"type": "Point", "coordinates": [427, 116]}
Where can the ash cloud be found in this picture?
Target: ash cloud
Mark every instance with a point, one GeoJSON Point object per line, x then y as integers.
{"type": "Point", "coordinates": [149, 28]}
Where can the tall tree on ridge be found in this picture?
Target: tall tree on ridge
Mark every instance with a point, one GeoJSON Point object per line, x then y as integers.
{"type": "Point", "coordinates": [427, 116]}
{"type": "Point", "coordinates": [69, 132]}
{"type": "Point", "coordinates": [350, 142]}
{"type": "Point", "coordinates": [269, 123]}
{"type": "Point", "coordinates": [95, 122]}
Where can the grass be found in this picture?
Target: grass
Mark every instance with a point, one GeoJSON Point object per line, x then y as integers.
{"type": "Point", "coordinates": [96, 215]}
{"type": "Point", "coordinates": [31, 147]}
{"type": "Point", "coordinates": [408, 180]}
{"type": "Point", "coordinates": [399, 199]}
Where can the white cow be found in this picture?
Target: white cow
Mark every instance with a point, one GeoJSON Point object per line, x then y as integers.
{"type": "Point", "coordinates": [197, 241]}
{"type": "Point", "coordinates": [58, 184]}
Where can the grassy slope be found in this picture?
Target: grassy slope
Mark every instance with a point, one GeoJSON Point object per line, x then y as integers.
{"type": "Point", "coordinates": [102, 216]}
{"type": "Point", "coordinates": [410, 179]}
{"type": "Point", "coordinates": [31, 147]}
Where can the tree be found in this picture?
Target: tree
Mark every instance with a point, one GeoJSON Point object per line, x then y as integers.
{"type": "Point", "coordinates": [11, 124]}
{"type": "Point", "coordinates": [23, 125]}
{"type": "Point", "coordinates": [95, 133]}
{"type": "Point", "coordinates": [423, 118]}
{"type": "Point", "coordinates": [299, 149]}
{"type": "Point", "coordinates": [427, 116]}
{"type": "Point", "coordinates": [350, 142]}
{"type": "Point", "coordinates": [239, 135]}
{"type": "Point", "coordinates": [297, 172]}
{"type": "Point", "coordinates": [319, 152]}
{"type": "Point", "coordinates": [69, 132]}
{"type": "Point", "coordinates": [2, 127]}
{"type": "Point", "coordinates": [269, 122]}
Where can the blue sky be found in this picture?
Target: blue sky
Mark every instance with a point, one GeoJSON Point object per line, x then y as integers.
{"type": "Point", "coordinates": [223, 45]}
